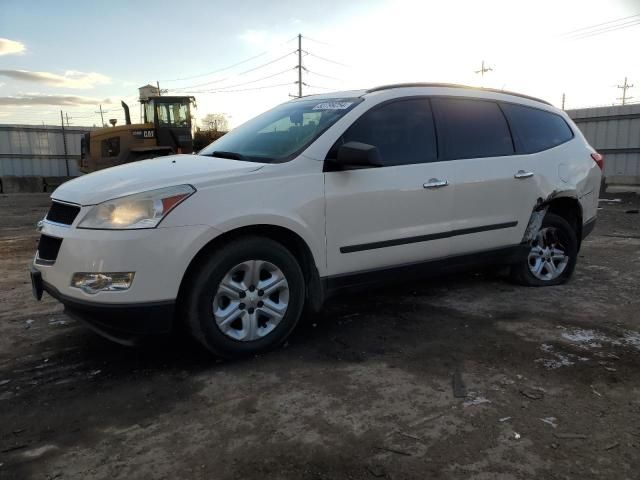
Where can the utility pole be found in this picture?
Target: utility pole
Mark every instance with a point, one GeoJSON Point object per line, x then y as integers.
{"type": "Point", "coordinates": [299, 65]}
{"type": "Point", "coordinates": [484, 70]}
{"type": "Point", "coordinates": [563, 99]}
{"type": "Point", "coordinates": [158, 84]}
{"type": "Point", "coordinates": [67, 117]}
{"type": "Point", "coordinates": [101, 115]}
{"type": "Point", "coordinates": [624, 88]}
{"type": "Point", "coordinates": [64, 143]}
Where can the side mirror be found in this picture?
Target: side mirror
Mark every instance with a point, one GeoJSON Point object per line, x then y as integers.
{"type": "Point", "coordinates": [356, 154]}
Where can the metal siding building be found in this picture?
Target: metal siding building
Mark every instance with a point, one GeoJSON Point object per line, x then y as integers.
{"type": "Point", "coordinates": [27, 150]}
{"type": "Point", "coordinates": [614, 132]}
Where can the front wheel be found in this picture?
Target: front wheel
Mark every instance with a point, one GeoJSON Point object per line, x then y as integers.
{"type": "Point", "coordinates": [245, 298]}
{"type": "Point", "coordinates": [552, 255]}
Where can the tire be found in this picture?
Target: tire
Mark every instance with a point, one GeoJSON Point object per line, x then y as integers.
{"type": "Point", "coordinates": [544, 266]}
{"type": "Point", "coordinates": [233, 320]}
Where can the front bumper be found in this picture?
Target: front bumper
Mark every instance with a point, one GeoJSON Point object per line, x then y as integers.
{"type": "Point", "coordinates": [159, 257]}
{"type": "Point", "coordinates": [127, 324]}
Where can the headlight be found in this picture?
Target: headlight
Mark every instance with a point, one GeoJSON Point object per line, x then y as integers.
{"type": "Point", "coordinates": [142, 210]}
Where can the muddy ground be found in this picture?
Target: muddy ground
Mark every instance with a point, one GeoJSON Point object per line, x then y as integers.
{"type": "Point", "coordinates": [548, 381]}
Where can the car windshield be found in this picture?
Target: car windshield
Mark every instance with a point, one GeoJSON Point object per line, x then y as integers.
{"type": "Point", "coordinates": [280, 133]}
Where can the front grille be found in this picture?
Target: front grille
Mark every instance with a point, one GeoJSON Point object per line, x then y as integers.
{"type": "Point", "coordinates": [63, 213]}
{"type": "Point", "coordinates": [48, 248]}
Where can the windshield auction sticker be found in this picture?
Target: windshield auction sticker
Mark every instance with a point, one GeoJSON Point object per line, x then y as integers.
{"type": "Point", "coordinates": [333, 106]}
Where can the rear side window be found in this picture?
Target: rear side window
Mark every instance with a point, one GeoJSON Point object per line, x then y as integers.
{"type": "Point", "coordinates": [471, 129]}
{"type": "Point", "coordinates": [402, 131]}
{"type": "Point", "coordinates": [535, 130]}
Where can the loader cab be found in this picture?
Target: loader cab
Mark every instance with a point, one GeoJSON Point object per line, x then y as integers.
{"type": "Point", "coordinates": [171, 117]}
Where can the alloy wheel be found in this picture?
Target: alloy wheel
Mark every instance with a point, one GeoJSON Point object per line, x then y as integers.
{"type": "Point", "coordinates": [251, 300]}
{"type": "Point", "coordinates": [548, 258]}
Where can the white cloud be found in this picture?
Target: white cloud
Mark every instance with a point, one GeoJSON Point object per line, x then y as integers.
{"type": "Point", "coordinates": [11, 47]}
{"type": "Point", "coordinates": [41, 99]}
{"type": "Point", "coordinates": [70, 79]}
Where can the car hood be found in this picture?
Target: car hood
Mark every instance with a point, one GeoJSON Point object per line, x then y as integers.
{"type": "Point", "coordinates": [146, 175]}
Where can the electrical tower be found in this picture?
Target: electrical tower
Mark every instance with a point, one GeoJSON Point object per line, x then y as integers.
{"type": "Point", "coordinates": [299, 65]}
{"type": "Point", "coordinates": [624, 88]}
{"type": "Point", "coordinates": [484, 70]}
{"type": "Point", "coordinates": [101, 115]}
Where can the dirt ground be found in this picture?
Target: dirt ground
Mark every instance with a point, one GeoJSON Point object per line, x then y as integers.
{"type": "Point", "coordinates": [464, 377]}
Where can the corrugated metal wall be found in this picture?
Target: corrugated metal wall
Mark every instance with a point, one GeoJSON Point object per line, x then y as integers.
{"type": "Point", "coordinates": [39, 150]}
{"type": "Point", "coordinates": [614, 132]}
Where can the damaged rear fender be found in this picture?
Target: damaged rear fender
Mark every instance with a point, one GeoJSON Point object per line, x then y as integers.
{"type": "Point", "coordinates": [559, 202]}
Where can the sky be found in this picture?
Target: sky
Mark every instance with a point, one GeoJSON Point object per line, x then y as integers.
{"type": "Point", "coordinates": [238, 57]}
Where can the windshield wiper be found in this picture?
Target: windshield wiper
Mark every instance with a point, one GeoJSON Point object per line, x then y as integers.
{"type": "Point", "coordinates": [231, 155]}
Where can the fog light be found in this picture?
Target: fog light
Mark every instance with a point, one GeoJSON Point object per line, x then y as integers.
{"type": "Point", "coordinates": [102, 282]}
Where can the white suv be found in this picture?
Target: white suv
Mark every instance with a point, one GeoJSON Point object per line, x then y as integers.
{"type": "Point", "coordinates": [317, 195]}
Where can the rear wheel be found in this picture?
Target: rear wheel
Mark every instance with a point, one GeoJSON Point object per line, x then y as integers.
{"type": "Point", "coordinates": [552, 255]}
{"type": "Point", "coordinates": [245, 298]}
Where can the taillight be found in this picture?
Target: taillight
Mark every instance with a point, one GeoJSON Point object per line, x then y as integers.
{"type": "Point", "coordinates": [599, 159]}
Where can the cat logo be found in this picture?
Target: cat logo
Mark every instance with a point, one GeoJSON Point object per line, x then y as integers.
{"type": "Point", "coordinates": [144, 133]}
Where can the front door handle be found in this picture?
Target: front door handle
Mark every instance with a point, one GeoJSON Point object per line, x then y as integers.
{"type": "Point", "coordinates": [435, 183]}
{"type": "Point", "coordinates": [523, 174]}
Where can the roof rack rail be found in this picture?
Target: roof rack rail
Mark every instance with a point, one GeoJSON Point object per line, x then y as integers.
{"type": "Point", "coordinates": [454, 85]}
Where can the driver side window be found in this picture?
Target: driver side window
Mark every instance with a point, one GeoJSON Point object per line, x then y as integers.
{"type": "Point", "coordinates": [402, 130]}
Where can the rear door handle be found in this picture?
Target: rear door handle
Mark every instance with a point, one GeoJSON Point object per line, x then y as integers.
{"type": "Point", "coordinates": [523, 174]}
{"type": "Point", "coordinates": [435, 183]}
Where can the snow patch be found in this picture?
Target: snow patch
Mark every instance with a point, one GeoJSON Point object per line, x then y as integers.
{"type": "Point", "coordinates": [595, 339]}
{"type": "Point", "coordinates": [38, 452]}
{"type": "Point", "coordinates": [553, 421]}
{"type": "Point", "coordinates": [559, 359]}
{"type": "Point", "coordinates": [476, 401]}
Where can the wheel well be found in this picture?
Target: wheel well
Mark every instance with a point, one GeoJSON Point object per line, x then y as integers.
{"type": "Point", "coordinates": [569, 209]}
{"type": "Point", "coordinates": [287, 238]}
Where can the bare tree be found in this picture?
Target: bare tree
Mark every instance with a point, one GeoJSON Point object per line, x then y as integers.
{"type": "Point", "coordinates": [216, 122]}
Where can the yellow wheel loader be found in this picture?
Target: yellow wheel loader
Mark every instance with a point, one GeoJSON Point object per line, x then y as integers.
{"type": "Point", "coordinates": [166, 130]}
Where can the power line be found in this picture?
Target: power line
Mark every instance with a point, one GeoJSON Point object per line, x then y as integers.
{"type": "Point", "coordinates": [326, 59]}
{"type": "Point", "coordinates": [318, 41]}
{"type": "Point", "coordinates": [233, 87]}
{"type": "Point", "coordinates": [266, 64]}
{"type": "Point", "coordinates": [319, 86]}
{"type": "Point", "coordinates": [600, 24]}
{"type": "Point", "coordinates": [592, 31]}
{"type": "Point", "coordinates": [218, 70]}
{"type": "Point", "coordinates": [187, 88]}
{"type": "Point", "coordinates": [321, 74]}
{"type": "Point", "coordinates": [606, 30]}
{"type": "Point", "coordinates": [242, 84]}
{"type": "Point", "coordinates": [228, 67]}
{"type": "Point", "coordinates": [249, 89]}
